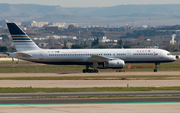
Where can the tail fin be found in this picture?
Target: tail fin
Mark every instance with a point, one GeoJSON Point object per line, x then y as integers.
{"type": "Point", "coordinates": [21, 40]}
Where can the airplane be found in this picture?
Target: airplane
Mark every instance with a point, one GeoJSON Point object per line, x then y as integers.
{"type": "Point", "coordinates": [96, 58]}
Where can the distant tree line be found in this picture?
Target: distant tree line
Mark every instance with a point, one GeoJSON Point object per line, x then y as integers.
{"type": "Point", "coordinates": [145, 33]}
{"type": "Point", "coordinates": [95, 42]}
{"type": "Point", "coordinates": [3, 49]}
{"type": "Point", "coordinates": [98, 33]}
{"type": "Point", "coordinates": [77, 46]}
{"type": "Point", "coordinates": [175, 27]}
{"type": "Point", "coordinates": [120, 44]}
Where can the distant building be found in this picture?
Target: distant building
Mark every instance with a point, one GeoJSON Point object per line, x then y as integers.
{"type": "Point", "coordinates": [38, 24]}
{"type": "Point", "coordinates": [59, 24]}
{"type": "Point", "coordinates": [35, 24]}
{"type": "Point", "coordinates": [104, 39]}
{"type": "Point", "coordinates": [172, 42]}
{"type": "Point", "coordinates": [148, 40]}
{"type": "Point", "coordinates": [71, 27]}
{"type": "Point", "coordinates": [145, 26]}
{"type": "Point", "coordinates": [26, 23]}
{"type": "Point", "coordinates": [74, 37]}
{"type": "Point", "coordinates": [60, 37]}
{"type": "Point", "coordinates": [41, 38]}
{"type": "Point", "coordinates": [3, 23]}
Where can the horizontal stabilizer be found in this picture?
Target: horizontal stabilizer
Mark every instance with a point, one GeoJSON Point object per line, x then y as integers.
{"type": "Point", "coordinates": [97, 58]}
{"type": "Point", "coordinates": [23, 55]}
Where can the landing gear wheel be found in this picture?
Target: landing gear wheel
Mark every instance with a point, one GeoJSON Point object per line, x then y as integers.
{"type": "Point", "coordinates": [155, 70]}
{"type": "Point", "coordinates": [91, 71]}
{"type": "Point", "coordinates": [96, 71]}
{"type": "Point", "coordinates": [84, 70]}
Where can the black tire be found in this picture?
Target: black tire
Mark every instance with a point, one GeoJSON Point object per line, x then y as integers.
{"type": "Point", "coordinates": [84, 70]}
{"type": "Point", "coordinates": [91, 71]}
{"type": "Point", "coordinates": [96, 71]}
{"type": "Point", "coordinates": [155, 70]}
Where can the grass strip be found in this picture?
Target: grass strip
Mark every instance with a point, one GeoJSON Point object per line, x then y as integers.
{"type": "Point", "coordinates": [26, 67]}
{"type": "Point", "coordinates": [93, 96]}
{"type": "Point", "coordinates": [94, 89]}
{"type": "Point", "coordinates": [97, 78]}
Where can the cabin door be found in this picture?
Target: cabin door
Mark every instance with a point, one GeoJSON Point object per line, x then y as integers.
{"type": "Point", "coordinates": [128, 55]}
{"type": "Point", "coordinates": [160, 55]}
{"type": "Point", "coordinates": [41, 55]}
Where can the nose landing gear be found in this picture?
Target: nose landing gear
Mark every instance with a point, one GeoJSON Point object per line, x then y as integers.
{"type": "Point", "coordinates": [155, 70]}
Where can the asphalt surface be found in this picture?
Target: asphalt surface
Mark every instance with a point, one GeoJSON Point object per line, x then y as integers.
{"type": "Point", "coordinates": [116, 100]}
{"type": "Point", "coordinates": [159, 73]}
{"type": "Point", "coordinates": [76, 94]}
{"type": "Point", "coordinates": [87, 83]}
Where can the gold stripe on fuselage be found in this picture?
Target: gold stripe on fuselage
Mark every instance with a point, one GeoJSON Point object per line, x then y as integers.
{"type": "Point", "coordinates": [20, 36]}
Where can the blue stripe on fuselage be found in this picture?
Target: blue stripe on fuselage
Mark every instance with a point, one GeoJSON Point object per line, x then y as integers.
{"type": "Point", "coordinates": [21, 38]}
{"type": "Point", "coordinates": [21, 41]}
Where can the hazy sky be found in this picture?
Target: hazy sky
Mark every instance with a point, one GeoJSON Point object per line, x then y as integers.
{"type": "Point", "coordinates": [89, 3]}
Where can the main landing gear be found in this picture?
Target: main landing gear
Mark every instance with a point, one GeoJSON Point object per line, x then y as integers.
{"type": "Point", "coordinates": [90, 71]}
{"type": "Point", "coordinates": [94, 70]}
{"type": "Point", "coordinates": [155, 70]}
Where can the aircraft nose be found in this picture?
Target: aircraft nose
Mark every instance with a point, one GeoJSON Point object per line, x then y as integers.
{"type": "Point", "coordinates": [174, 58]}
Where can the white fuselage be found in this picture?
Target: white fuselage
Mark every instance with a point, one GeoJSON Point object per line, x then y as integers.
{"type": "Point", "coordinates": [80, 56]}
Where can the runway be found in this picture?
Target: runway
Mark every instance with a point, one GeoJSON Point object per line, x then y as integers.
{"type": "Point", "coordinates": [94, 108]}
{"type": "Point", "coordinates": [5, 75]}
{"type": "Point", "coordinates": [87, 83]}
{"type": "Point", "coordinates": [87, 101]}
{"type": "Point", "coordinates": [124, 105]}
{"type": "Point", "coordinates": [81, 105]}
{"type": "Point", "coordinates": [76, 94]}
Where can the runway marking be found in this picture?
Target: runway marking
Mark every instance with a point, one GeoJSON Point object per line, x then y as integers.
{"type": "Point", "coordinates": [94, 103]}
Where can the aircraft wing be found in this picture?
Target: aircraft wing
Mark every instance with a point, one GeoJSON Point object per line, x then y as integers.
{"type": "Point", "coordinates": [97, 58]}
{"type": "Point", "coordinates": [23, 55]}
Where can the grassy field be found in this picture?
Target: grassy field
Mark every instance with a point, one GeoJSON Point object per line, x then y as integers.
{"type": "Point", "coordinates": [28, 67]}
{"type": "Point", "coordinates": [97, 78]}
{"type": "Point", "coordinates": [96, 96]}
{"type": "Point", "coordinates": [95, 89]}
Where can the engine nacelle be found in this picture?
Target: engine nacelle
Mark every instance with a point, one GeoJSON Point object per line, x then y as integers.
{"type": "Point", "coordinates": [114, 64]}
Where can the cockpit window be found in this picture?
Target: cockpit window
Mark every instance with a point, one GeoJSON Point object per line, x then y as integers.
{"type": "Point", "coordinates": [169, 54]}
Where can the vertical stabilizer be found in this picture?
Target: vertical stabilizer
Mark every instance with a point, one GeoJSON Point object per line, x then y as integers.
{"type": "Point", "coordinates": [21, 40]}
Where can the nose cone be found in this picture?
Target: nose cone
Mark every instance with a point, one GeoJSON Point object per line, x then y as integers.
{"type": "Point", "coordinates": [174, 59]}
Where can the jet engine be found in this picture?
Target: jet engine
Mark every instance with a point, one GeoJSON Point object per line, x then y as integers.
{"type": "Point", "coordinates": [114, 64]}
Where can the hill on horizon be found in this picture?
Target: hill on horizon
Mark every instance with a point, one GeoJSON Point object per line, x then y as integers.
{"type": "Point", "coordinates": [160, 14]}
